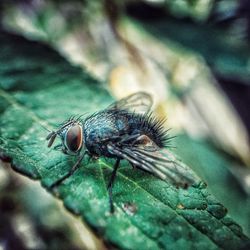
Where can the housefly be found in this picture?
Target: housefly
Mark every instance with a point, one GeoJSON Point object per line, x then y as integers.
{"type": "Point", "coordinates": [125, 130]}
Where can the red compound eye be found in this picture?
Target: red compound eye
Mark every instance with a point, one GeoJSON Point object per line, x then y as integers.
{"type": "Point", "coordinates": [73, 138]}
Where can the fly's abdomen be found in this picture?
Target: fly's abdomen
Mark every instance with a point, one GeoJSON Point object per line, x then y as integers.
{"type": "Point", "coordinates": [150, 126]}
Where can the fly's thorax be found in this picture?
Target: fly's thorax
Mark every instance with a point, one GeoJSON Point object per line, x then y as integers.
{"type": "Point", "coordinates": [99, 130]}
{"type": "Point", "coordinates": [99, 125]}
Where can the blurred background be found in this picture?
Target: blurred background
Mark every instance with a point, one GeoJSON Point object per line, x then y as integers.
{"type": "Point", "coordinates": [192, 56]}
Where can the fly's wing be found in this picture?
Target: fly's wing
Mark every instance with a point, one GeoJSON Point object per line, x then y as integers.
{"type": "Point", "coordinates": [163, 164]}
{"type": "Point", "coordinates": [139, 102]}
{"type": "Point", "coordinates": [147, 156]}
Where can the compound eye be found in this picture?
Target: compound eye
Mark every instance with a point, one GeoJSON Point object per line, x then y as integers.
{"type": "Point", "coordinates": [73, 138]}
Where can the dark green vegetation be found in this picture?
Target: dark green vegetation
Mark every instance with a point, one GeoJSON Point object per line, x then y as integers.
{"type": "Point", "coordinates": [226, 52]}
{"type": "Point", "coordinates": [225, 58]}
{"type": "Point", "coordinates": [40, 89]}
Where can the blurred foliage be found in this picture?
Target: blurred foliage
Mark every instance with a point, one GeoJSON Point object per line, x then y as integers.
{"type": "Point", "coordinates": [32, 219]}
{"type": "Point", "coordinates": [189, 54]}
{"type": "Point", "coordinates": [227, 55]}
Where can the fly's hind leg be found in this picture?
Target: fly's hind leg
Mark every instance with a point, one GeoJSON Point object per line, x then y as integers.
{"type": "Point", "coordinates": [110, 185]}
{"type": "Point", "coordinates": [71, 172]}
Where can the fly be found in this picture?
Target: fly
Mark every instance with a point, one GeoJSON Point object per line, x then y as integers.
{"type": "Point", "coordinates": [125, 130]}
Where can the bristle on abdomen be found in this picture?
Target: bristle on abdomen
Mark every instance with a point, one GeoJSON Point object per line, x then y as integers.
{"type": "Point", "coordinates": [152, 127]}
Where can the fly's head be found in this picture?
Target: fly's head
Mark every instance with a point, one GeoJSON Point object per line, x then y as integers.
{"type": "Point", "coordinates": [71, 135]}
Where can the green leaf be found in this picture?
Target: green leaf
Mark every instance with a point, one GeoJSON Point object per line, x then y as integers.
{"type": "Point", "coordinates": [214, 167]}
{"type": "Point", "coordinates": [40, 89]}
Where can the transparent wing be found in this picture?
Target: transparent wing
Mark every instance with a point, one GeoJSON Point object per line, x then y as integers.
{"type": "Point", "coordinates": [146, 155]}
{"type": "Point", "coordinates": [139, 102]}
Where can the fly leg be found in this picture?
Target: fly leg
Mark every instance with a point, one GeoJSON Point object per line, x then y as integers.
{"type": "Point", "coordinates": [133, 165]}
{"type": "Point", "coordinates": [58, 147]}
{"type": "Point", "coordinates": [110, 185]}
{"type": "Point", "coordinates": [71, 172]}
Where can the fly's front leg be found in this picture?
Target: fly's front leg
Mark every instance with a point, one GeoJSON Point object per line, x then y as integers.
{"type": "Point", "coordinates": [91, 157]}
{"type": "Point", "coordinates": [133, 165]}
{"type": "Point", "coordinates": [71, 172]}
{"type": "Point", "coordinates": [58, 147]}
{"type": "Point", "coordinates": [110, 185]}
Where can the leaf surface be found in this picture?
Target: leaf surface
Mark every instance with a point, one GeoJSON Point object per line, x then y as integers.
{"type": "Point", "coordinates": [41, 89]}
